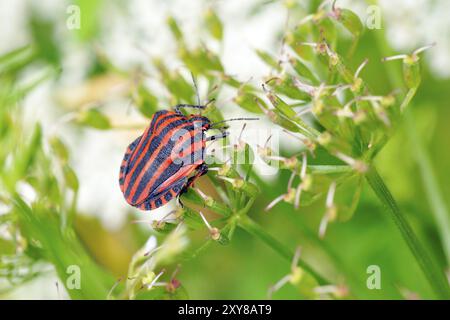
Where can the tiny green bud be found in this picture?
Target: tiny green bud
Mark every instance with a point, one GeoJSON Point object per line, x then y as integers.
{"type": "Point", "coordinates": [307, 182]}
{"type": "Point", "coordinates": [148, 278]}
{"type": "Point", "coordinates": [356, 85]}
{"type": "Point", "coordinates": [209, 201]}
{"type": "Point", "coordinates": [291, 162]}
{"type": "Point", "coordinates": [224, 170]}
{"type": "Point", "coordinates": [289, 196]}
{"type": "Point", "coordinates": [322, 48]}
{"type": "Point", "coordinates": [332, 213]}
{"type": "Point", "coordinates": [334, 59]}
{"type": "Point", "coordinates": [264, 151]}
{"type": "Point", "coordinates": [388, 101]}
{"type": "Point", "coordinates": [359, 116]}
{"type": "Point", "coordinates": [318, 106]}
{"type": "Point", "coordinates": [238, 183]}
{"type": "Point", "coordinates": [411, 71]}
{"type": "Point", "coordinates": [324, 138]}
{"type": "Point", "coordinates": [360, 166]}
{"type": "Point", "coordinates": [296, 275]}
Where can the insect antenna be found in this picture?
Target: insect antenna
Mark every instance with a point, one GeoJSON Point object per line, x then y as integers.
{"type": "Point", "coordinates": [218, 136]}
{"type": "Point", "coordinates": [242, 131]}
{"type": "Point", "coordinates": [233, 119]}
{"type": "Point", "coordinates": [209, 102]}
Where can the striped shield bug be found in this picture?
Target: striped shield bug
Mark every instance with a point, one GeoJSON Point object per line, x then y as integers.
{"type": "Point", "coordinates": [167, 158]}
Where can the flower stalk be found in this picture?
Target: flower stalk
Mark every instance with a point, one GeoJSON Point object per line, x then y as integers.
{"type": "Point", "coordinates": [436, 277]}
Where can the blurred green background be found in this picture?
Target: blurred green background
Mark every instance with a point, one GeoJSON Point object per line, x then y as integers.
{"type": "Point", "coordinates": [57, 71]}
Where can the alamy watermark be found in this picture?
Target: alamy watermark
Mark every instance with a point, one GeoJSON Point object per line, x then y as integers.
{"type": "Point", "coordinates": [73, 281]}
{"type": "Point", "coordinates": [73, 21]}
{"type": "Point", "coordinates": [373, 281]}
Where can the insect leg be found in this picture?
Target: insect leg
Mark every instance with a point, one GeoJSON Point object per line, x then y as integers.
{"type": "Point", "coordinates": [218, 136]}
{"type": "Point", "coordinates": [221, 128]}
{"type": "Point", "coordinates": [201, 170]}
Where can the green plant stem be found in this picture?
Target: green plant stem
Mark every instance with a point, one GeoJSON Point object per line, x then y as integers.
{"type": "Point", "coordinates": [431, 186]}
{"type": "Point", "coordinates": [257, 231]}
{"type": "Point", "coordinates": [409, 95]}
{"type": "Point", "coordinates": [436, 277]}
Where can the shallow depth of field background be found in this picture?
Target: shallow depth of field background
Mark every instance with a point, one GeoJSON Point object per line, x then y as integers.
{"type": "Point", "coordinates": [130, 33]}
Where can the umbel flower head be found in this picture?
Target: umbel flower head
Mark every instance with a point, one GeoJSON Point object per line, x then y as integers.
{"type": "Point", "coordinates": [315, 96]}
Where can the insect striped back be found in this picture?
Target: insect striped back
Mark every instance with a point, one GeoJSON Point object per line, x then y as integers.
{"type": "Point", "coordinates": [159, 154]}
{"type": "Point", "coordinates": [166, 160]}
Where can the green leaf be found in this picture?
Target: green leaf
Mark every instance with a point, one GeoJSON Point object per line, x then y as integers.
{"type": "Point", "coordinates": [249, 101]}
{"type": "Point", "coordinates": [218, 207]}
{"type": "Point", "coordinates": [303, 71]}
{"type": "Point", "coordinates": [350, 21]}
{"type": "Point", "coordinates": [7, 247]}
{"type": "Point", "coordinates": [200, 60]}
{"type": "Point", "coordinates": [146, 102]}
{"type": "Point", "coordinates": [192, 219]}
{"type": "Point", "coordinates": [281, 106]}
{"type": "Point", "coordinates": [59, 149]}
{"type": "Point", "coordinates": [280, 119]}
{"type": "Point", "coordinates": [15, 60]}
{"type": "Point", "coordinates": [347, 197]}
{"type": "Point", "coordinates": [175, 83]}
{"type": "Point", "coordinates": [43, 35]}
{"type": "Point", "coordinates": [327, 31]}
{"type": "Point", "coordinates": [42, 226]}
{"type": "Point", "coordinates": [94, 118]}
{"type": "Point", "coordinates": [286, 86]}
{"type": "Point", "coordinates": [175, 29]}
{"type": "Point", "coordinates": [296, 39]}
{"type": "Point", "coordinates": [26, 157]}
{"type": "Point", "coordinates": [213, 24]}
{"type": "Point", "coordinates": [71, 178]}
{"type": "Point", "coordinates": [268, 59]}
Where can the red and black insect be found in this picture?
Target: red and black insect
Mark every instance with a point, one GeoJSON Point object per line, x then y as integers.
{"type": "Point", "coordinates": [167, 158]}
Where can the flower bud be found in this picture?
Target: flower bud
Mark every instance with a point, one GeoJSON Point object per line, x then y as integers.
{"type": "Point", "coordinates": [286, 86]}
{"type": "Point", "coordinates": [281, 106]}
{"type": "Point", "coordinates": [268, 59]}
{"type": "Point", "coordinates": [215, 234]}
{"type": "Point", "coordinates": [249, 101]}
{"type": "Point", "coordinates": [349, 20]}
{"type": "Point", "coordinates": [302, 70]}
{"type": "Point", "coordinates": [411, 71]}
{"type": "Point", "coordinates": [148, 278]}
